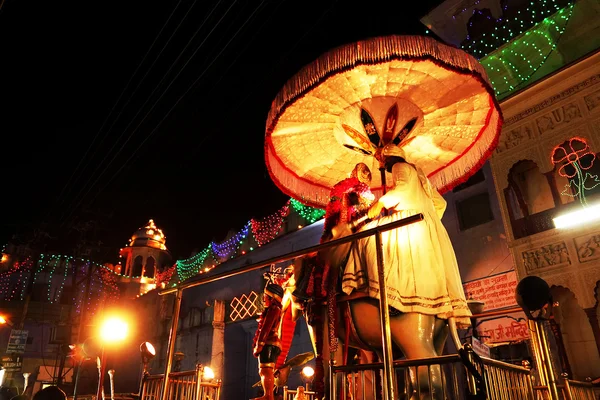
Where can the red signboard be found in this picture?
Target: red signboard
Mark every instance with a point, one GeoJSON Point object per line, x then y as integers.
{"type": "Point", "coordinates": [497, 291]}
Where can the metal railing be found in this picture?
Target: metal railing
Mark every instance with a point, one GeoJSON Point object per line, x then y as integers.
{"type": "Point", "coordinates": [576, 390]}
{"type": "Point", "coordinates": [185, 385]}
{"type": "Point", "coordinates": [440, 378]}
{"type": "Point", "coordinates": [506, 381]}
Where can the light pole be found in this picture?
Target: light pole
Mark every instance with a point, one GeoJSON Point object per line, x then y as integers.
{"type": "Point", "coordinates": [113, 330]}
{"type": "Point", "coordinates": [307, 376]}
{"type": "Point", "coordinates": [147, 352]}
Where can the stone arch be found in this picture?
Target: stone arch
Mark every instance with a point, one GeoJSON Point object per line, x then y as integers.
{"type": "Point", "coordinates": [138, 265]}
{"type": "Point", "coordinates": [531, 187]}
{"type": "Point", "coordinates": [576, 334]}
{"type": "Point", "coordinates": [150, 267]}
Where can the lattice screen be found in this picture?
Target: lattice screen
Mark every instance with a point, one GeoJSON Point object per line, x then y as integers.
{"type": "Point", "coordinates": [245, 306]}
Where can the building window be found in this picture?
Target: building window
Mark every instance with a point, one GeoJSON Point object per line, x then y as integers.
{"type": "Point", "coordinates": [474, 211]}
{"type": "Point", "coordinates": [476, 178]}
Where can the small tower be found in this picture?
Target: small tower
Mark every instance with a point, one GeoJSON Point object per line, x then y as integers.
{"type": "Point", "coordinates": [146, 254]}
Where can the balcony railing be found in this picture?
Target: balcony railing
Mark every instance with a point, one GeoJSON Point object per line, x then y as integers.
{"type": "Point", "coordinates": [185, 385]}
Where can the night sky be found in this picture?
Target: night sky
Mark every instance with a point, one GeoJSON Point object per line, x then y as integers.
{"type": "Point", "coordinates": [191, 158]}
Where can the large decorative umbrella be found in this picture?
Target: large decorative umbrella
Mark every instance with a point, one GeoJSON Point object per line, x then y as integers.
{"type": "Point", "coordinates": [433, 100]}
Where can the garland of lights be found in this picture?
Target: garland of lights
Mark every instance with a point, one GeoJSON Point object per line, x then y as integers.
{"type": "Point", "coordinates": [310, 214]}
{"type": "Point", "coordinates": [103, 281]}
{"type": "Point", "coordinates": [165, 276]}
{"type": "Point", "coordinates": [506, 29]}
{"type": "Point", "coordinates": [263, 231]}
{"type": "Point", "coordinates": [229, 247]}
{"type": "Point", "coordinates": [269, 227]}
{"type": "Point", "coordinates": [508, 67]}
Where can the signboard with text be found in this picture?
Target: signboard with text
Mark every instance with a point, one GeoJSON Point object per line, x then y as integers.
{"type": "Point", "coordinates": [13, 365]}
{"type": "Point", "coordinates": [17, 341]}
{"type": "Point", "coordinates": [480, 348]}
{"type": "Point", "coordinates": [510, 328]}
{"type": "Point", "coordinates": [497, 291]}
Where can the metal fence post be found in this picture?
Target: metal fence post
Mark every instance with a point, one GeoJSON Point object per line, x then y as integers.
{"type": "Point", "coordinates": [388, 359]}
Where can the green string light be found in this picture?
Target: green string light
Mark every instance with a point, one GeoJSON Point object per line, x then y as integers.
{"type": "Point", "coordinates": [513, 64]}
{"type": "Point", "coordinates": [507, 29]}
{"type": "Point", "coordinates": [310, 214]}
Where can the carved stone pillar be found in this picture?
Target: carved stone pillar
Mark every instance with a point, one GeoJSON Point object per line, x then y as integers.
{"type": "Point", "coordinates": [553, 188]}
{"type": "Point", "coordinates": [218, 339]}
{"type": "Point", "coordinates": [593, 318]}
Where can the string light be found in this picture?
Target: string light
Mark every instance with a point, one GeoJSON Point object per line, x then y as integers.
{"type": "Point", "coordinates": [229, 247]}
{"type": "Point", "coordinates": [511, 65]}
{"type": "Point", "coordinates": [269, 227]}
{"type": "Point", "coordinates": [263, 231]}
{"type": "Point", "coordinates": [310, 214]}
{"type": "Point", "coordinates": [506, 29]}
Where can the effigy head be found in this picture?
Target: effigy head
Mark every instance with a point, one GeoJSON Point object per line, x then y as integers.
{"type": "Point", "coordinates": [362, 172]}
{"type": "Point", "coordinates": [393, 154]}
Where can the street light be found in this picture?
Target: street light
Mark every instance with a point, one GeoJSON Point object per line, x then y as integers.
{"type": "Point", "coordinates": [5, 321]}
{"type": "Point", "coordinates": [112, 331]}
{"type": "Point", "coordinates": [147, 352]}
{"type": "Point", "coordinates": [307, 376]}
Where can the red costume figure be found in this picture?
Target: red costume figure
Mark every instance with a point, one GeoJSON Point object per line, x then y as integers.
{"type": "Point", "coordinates": [267, 344]}
{"type": "Point", "coordinates": [348, 201]}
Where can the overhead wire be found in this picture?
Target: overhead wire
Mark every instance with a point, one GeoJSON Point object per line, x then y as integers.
{"type": "Point", "coordinates": [172, 107]}
{"type": "Point", "coordinates": [251, 91]}
{"type": "Point", "coordinates": [178, 100]}
{"type": "Point", "coordinates": [280, 60]}
{"type": "Point", "coordinates": [145, 103]}
{"type": "Point", "coordinates": [112, 110]}
{"type": "Point", "coordinates": [239, 54]}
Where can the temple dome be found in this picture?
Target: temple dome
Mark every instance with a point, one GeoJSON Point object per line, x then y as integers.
{"type": "Point", "coordinates": [149, 236]}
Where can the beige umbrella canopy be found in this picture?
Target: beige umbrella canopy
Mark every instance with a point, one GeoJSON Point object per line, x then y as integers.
{"type": "Point", "coordinates": [431, 99]}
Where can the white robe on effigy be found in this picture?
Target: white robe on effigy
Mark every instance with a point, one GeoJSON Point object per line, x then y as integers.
{"type": "Point", "coordinates": [420, 265]}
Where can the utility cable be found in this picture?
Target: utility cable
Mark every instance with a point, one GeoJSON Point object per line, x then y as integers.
{"type": "Point", "coordinates": [138, 86]}
{"type": "Point", "coordinates": [250, 92]}
{"type": "Point", "coordinates": [148, 113]}
{"type": "Point", "coordinates": [84, 157]}
{"type": "Point", "coordinates": [177, 102]}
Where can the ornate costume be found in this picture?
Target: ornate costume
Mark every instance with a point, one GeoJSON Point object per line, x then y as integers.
{"type": "Point", "coordinates": [267, 344]}
{"type": "Point", "coordinates": [421, 269]}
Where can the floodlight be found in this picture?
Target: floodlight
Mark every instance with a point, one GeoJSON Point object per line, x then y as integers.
{"type": "Point", "coordinates": [148, 352]}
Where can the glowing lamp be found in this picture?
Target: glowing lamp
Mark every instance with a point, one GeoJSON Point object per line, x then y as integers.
{"type": "Point", "coordinates": [2, 320]}
{"type": "Point", "coordinates": [208, 374]}
{"type": "Point", "coordinates": [308, 372]}
{"type": "Point", "coordinates": [147, 351]}
{"type": "Point", "coordinates": [579, 217]}
{"type": "Point", "coordinates": [113, 329]}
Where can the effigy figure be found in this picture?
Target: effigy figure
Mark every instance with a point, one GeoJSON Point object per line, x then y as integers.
{"type": "Point", "coordinates": [267, 344]}
{"type": "Point", "coordinates": [422, 273]}
{"type": "Point", "coordinates": [423, 283]}
{"type": "Point", "coordinates": [349, 200]}
{"type": "Point", "coordinates": [318, 274]}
